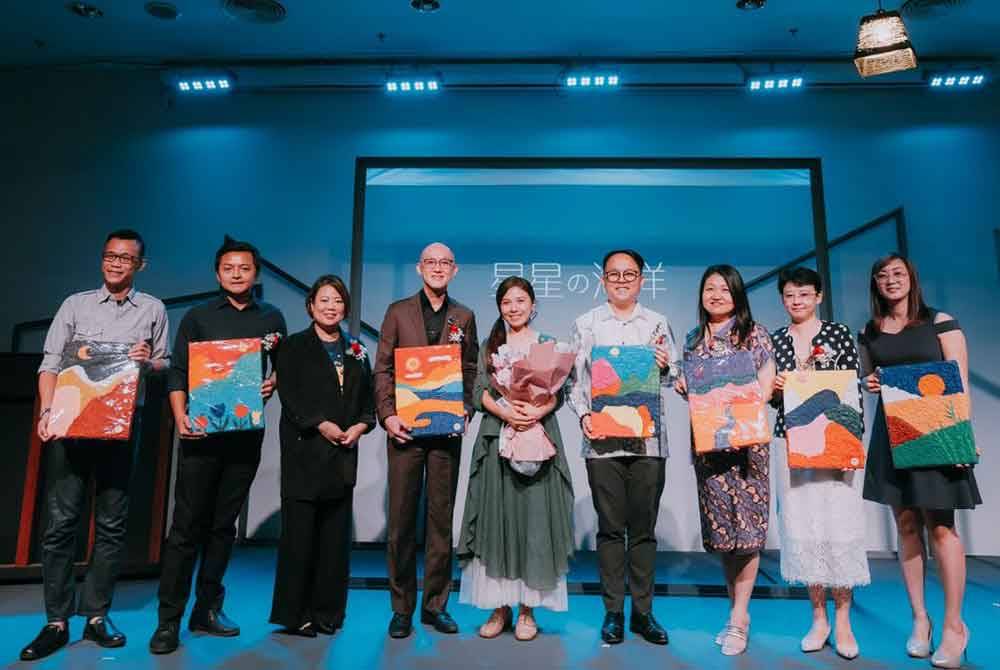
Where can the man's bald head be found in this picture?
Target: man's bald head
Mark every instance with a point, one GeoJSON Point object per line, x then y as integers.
{"type": "Point", "coordinates": [437, 250]}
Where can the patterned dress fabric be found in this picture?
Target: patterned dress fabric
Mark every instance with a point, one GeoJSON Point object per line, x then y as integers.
{"type": "Point", "coordinates": [733, 489]}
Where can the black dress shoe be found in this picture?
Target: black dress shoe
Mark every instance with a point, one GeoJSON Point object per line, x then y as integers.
{"type": "Point", "coordinates": [308, 630]}
{"type": "Point", "coordinates": [647, 626]}
{"type": "Point", "coordinates": [401, 625]}
{"type": "Point", "coordinates": [327, 627]}
{"type": "Point", "coordinates": [442, 621]}
{"type": "Point", "coordinates": [613, 628]}
{"type": "Point", "coordinates": [166, 638]}
{"type": "Point", "coordinates": [213, 622]}
{"type": "Point", "coordinates": [104, 632]}
{"type": "Point", "coordinates": [48, 640]}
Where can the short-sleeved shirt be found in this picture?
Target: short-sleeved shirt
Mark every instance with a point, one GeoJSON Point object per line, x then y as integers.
{"type": "Point", "coordinates": [600, 327]}
{"type": "Point", "coordinates": [833, 337]}
{"type": "Point", "coordinates": [721, 344]}
{"type": "Point", "coordinates": [217, 319]}
{"type": "Point", "coordinates": [96, 315]}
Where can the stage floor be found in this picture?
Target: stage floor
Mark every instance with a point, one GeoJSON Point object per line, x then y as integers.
{"type": "Point", "coordinates": [568, 640]}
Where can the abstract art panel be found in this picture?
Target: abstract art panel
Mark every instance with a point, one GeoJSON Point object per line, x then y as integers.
{"type": "Point", "coordinates": [726, 403]}
{"type": "Point", "coordinates": [95, 392]}
{"type": "Point", "coordinates": [429, 389]}
{"type": "Point", "coordinates": [224, 378]}
{"type": "Point", "coordinates": [624, 391]}
{"type": "Point", "coordinates": [823, 423]}
{"type": "Point", "coordinates": [927, 415]}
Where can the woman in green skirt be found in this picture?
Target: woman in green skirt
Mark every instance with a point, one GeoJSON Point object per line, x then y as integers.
{"type": "Point", "coordinates": [517, 530]}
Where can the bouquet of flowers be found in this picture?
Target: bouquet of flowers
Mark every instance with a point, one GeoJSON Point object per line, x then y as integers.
{"type": "Point", "coordinates": [533, 378]}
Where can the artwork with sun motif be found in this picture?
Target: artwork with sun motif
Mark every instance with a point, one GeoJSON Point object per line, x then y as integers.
{"type": "Point", "coordinates": [726, 402]}
{"type": "Point", "coordinates": [823, 424]}
{"type": "Point", "coordinates": [224, 378]}
{"type": "Point", "coordinates": [95, 392]}
{"type": "Point", "coordinates": [429, 395]}
{"type": "Point", "coordinates": [927, 415]}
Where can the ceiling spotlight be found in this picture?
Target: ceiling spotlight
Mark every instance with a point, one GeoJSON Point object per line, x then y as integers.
{"type": "Point", "coordinates": [590, 80]}
{"type": "Point", "coordinates": [750, 4]}
{"type": "Point", "coordinates": [776, 82]}
{"type": "Point", "coordinates": [84, 10]}
{"type": "Point", "coordinates": [425, 6]}
{"type": "Point", "coordinates": [954, 80]}
{"type": "Point", "coordinates": [883, 45]}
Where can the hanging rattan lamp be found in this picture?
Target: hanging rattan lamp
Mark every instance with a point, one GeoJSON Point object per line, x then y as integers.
{"type": "Point", "coordinates": [883, 45]}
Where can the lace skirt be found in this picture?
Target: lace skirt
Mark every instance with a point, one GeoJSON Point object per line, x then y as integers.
{"type": "Point", "coordinates": [485, 592]}
{"type": "Point", "coordinates": [822, 525]}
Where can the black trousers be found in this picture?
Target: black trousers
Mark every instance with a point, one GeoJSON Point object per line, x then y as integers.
{"type": "Point", "coordinates": [439, 458]}
{"type": "Point", "coordinates": [214, 475]}
{"type": "Point", "coordinates": [314, 565]}
{"type": "Point", "coordinates": [626, 493]}
{"type": "Point", "coordinates": [70, 465]}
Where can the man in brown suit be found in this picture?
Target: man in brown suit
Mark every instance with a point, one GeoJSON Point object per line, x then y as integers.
{"type": "Point", "coordinates": [429, 317]}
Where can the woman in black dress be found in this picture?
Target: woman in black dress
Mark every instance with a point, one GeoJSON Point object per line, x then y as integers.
{"type": "Point", "coordinates": [327, 404]}
{"type": "Point", "coordinates": [904, 330]}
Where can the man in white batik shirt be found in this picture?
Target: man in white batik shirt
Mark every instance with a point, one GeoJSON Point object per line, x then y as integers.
{"type": "Point", "coordinates": [626, 475]}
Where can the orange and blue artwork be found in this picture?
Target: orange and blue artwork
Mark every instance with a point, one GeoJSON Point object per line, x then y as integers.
{"type": "Point", "coordinates": [224, 378]}
{"type": "Point", "coordinates": [429, 389]}
{"type": "Point", "coordinates": [823, 423]}
{"type": "Point", "coordinates": [726, 402]}
{"type": "Point", "coordinates": [95, 392]}
{"type": "Point", "coordinates": [624, 391]}
{"type": "Point", "coordinates": [927, 415]}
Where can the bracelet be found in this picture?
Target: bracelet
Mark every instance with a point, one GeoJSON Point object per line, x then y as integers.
{"type": "Point", "coordinates": [44, 412]}
{"type": "Point", "coordinates": [584, 416]}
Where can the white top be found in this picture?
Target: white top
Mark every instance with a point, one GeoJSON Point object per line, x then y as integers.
{"type": "Point", "coordinates": [600, 327]}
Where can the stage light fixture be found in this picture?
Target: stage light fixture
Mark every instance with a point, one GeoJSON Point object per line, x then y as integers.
{"type": "Point", "coordinates": [775, 82]}
{"type": "Point", "coordinates": [412, 85]}
{"type": "Point", "coordinates": [956, 80]}
{"type": "Point", "coordinates": [204, 85]}
{"type": "Point", "coordinates": [883, 44]}
{"type": "Point", "coordinates": [591, 80]}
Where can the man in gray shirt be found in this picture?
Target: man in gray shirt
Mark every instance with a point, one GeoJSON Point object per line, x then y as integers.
{"type": "Point", "coordinates": [115, 312]}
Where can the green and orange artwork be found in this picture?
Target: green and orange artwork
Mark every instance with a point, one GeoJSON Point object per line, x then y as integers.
{"type": "Point", "coordinates": [927, 415]}
{"type": "Point", "coordinates": [224, 379]}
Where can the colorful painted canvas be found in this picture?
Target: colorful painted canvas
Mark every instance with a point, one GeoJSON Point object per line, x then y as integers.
{"type": "Point", "coordinates": [927, 415]}
{"type": "Point", "coordinates": [624, 391]}
{"type": "Point", "coordinates": [726, 402]}
{"type": "Point", "coordinates": [95, 392]}
{"type": "Point", "coordinates": [823, 423]}
{"type": "Point", "coordinates": [429, 389]}
{"type": "Point", "coordinates": [224, 378]}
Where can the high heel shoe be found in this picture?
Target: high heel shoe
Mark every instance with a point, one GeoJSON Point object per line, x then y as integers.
{"type": "Point", "coordinates": [847, 651]}
{"type": "Point", "coordinates": [921, 648]}
{"type": "Point", "coordinates": [939, 660]}
{"type": "Point", "coordinates": [813, 641]}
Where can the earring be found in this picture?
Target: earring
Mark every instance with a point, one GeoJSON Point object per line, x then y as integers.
{"type": "Point", "coordinates": [531, 317]}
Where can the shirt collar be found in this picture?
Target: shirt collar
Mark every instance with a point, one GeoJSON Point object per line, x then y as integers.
{"type": "Point", "coordinates": [638, 313]}
{"type": "Point", "coordinates": [103, 294]}
{"type": "Point", "coordinates": [223, 301]}
{"type": "Point", "coordinates": [723, 332]}
{"type": "Point", "coordinates": [425, 302]}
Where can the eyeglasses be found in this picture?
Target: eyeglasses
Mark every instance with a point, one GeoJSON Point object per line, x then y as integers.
{"type": "Point", "coordinates": [801, 296]}
{"type": "Point", "coordinates": [626, 277]}
{"type": "Point", "coordinates": [443, 263]}
{"type": "Point", "coordinates": [883, 277]}
{"type": "Point", "coordinates": [124, 259]}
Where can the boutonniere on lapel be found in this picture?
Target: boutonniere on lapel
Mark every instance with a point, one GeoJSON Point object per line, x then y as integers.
{"type": "Point", "coordinates": [821, 354]}
{"type": "Point", "coordinates": [270, 341]}
{"type": "Point", "coordinates": [357, 350]}
{"type": "Point", "coordinates": [455, 334]}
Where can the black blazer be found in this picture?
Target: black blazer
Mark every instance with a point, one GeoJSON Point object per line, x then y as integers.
{"type": "Point", "coordinates": [311, 467]}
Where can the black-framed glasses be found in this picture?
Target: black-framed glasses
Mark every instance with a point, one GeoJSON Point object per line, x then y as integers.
{"type": "Point", "coordinates": [124, 259]}
{"type": "Point", "coordinates": [618, 277]}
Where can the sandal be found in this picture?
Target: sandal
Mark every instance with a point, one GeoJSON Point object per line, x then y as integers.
{"type": "Point", "coordinates": [526, 628]}
{"type": "Point", "coordinates": [735, 640]}
{"type": "Point", "coordinates": [498, 622]}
